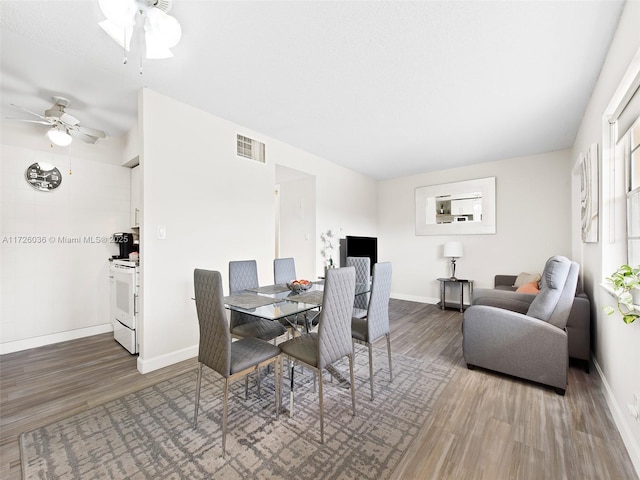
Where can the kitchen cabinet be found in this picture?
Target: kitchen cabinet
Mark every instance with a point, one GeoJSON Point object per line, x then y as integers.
{"type": "Point", "coordinates": [136, 196]}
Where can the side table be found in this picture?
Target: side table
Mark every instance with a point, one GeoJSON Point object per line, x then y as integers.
{"type": "Point", "coordinates": [461, 282]}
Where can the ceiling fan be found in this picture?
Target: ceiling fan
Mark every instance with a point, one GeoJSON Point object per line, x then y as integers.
{"type": "Point", "coordinates": [64, 127]}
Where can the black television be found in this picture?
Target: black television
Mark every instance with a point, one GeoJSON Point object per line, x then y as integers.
{"type": "Point", "coordinates": [359, 247]}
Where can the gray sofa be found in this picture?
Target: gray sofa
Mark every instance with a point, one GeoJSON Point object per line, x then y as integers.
{"type": "Point", "coordinates": [504, 295]}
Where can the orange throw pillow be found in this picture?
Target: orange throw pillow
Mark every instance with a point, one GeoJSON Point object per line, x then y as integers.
{"type": "Point", "coordinates": [529, 287]}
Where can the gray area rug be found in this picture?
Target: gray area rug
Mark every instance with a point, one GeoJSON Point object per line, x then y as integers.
{"type": "Point", "coordinates": [149, 434]}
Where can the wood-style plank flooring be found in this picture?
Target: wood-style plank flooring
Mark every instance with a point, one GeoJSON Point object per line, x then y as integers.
{"type": "Point", "coordinates": [484, 425]}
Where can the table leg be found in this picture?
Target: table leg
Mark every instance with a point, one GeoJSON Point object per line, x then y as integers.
{"type": "Point", "coordinates": [343, 382]}
{"type": "Point", "coordinates": [293, 366]}
{"type": "Point", "coordinates": [461, 296]}
{"type": "Point", "coordinates": [442, 295]}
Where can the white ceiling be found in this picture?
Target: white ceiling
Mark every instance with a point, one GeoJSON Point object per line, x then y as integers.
{"type": "Point", "coordinates": [387, 88]}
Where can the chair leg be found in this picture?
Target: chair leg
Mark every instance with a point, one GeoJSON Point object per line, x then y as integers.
{"type": "Point", "coordinates": [389, 353]}
{"type": "Point", "coordinates": [198, 381]}
{"type": "Point", "coordinates": [371, 369]}
{"type": "Point", "coordinates": [246, 387]}
{"type": "Point", "coordinates": [293, 366]}
{"type": "Point", "coordinates": [277, 383]}
{"type": "Point", "coordinates": [353, 385]}
{"type": "Point", "coordinates": [224, 415]}
{"type": "Point", "coordinates": [258, 378]}
{"type": "Point", "coordinates": [321, 406]}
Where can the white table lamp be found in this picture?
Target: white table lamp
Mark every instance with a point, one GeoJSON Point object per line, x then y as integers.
{"type": "Point", "coordinates": [453, 250]}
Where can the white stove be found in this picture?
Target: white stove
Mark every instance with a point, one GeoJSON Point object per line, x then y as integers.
{"type": "Point", "coordinates": [124, 279]}
{"type": "Point", "coordinates": [127, 262]}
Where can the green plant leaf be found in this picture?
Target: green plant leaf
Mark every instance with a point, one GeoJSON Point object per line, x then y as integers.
{"type": "Point", "coordinates": [623, 280]}
{"type": "Point", "coordinates": [608, 309]}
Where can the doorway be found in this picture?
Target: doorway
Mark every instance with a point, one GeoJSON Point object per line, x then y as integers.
{"type": "Point", "coordinates": [295, 217]}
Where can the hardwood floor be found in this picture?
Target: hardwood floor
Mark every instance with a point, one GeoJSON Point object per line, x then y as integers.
{"type": "Point", "coordinates": [484, 425]}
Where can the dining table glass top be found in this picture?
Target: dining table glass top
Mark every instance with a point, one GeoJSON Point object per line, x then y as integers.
{"type": "Point", "coordinates": [274, 302]}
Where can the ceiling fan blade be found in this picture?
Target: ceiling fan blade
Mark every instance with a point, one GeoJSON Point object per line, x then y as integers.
{"type": "Point", "coordinates": [28, 111]}
{"type": "Point", "coordinates": [82, 136]}
{"type": "Point", "coordinates": [57, 113]}
{"type": "Point", "coordinates": [91, 131]}
{"type": "Point", "coordinates": [69, 119]}
{"type": "Point", "coordinates": [41, 122]}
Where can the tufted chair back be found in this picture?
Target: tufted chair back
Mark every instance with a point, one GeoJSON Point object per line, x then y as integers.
{"type": "Point", "coordinates": [284, 270]}
{"type": "Point", "coordinates": [363, 275]}
{"type": "Point", "coordinates": [215, 338]}
{"type": "Point", "coordinates": [378, 311]}
{"type": "Point", "coordinates": [243, 274]}
{"type": "Point", "coordinates": [334, 326]}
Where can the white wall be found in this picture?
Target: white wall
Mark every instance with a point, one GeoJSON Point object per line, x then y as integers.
{"type": "Point", "coordinates": [616, 346]}
{"type": "Point", "coordinates": [216, 207]}
{"type": "Point", "coordinates": [532, 222]}
{"type": "Point", "coordinates": [57, 291]}
{"type": "Point", "coordinates": [298, 224]}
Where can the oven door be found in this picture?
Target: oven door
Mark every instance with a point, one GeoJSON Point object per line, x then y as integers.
{"type": "Point", "coordinates": [123, 295]}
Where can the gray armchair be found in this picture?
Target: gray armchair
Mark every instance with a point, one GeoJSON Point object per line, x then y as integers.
{"type": "Point", "coordinates": [504, 295]}
{"type": "Point", "coordinates": [534, 345]}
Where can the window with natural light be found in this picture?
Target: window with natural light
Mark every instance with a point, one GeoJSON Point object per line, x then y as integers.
{"type": "Point", "coordinates": [629, 148]}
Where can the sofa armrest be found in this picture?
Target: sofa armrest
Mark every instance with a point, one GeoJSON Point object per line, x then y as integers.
{"type": "Point", "coordinates": [514, 301]}
{"type": "Point", "coordinates": [515, 344]}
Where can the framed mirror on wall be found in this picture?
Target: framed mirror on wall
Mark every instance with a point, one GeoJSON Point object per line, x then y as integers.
{"type": "Point", "coordinates": [457, 208]}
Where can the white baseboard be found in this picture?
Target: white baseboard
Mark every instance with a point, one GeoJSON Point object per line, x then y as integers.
{"type": "Point", "coordinates": [621, 421]}
{"type": "Point", "coordinates": [27, 343]}
{"type": "Point", "coordinates": [414, 298]}
{"type": "Point", "coordinates": [146, 365]}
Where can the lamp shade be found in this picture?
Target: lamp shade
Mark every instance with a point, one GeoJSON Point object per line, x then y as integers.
{"type": "Point", "coordinates": [453, 249]}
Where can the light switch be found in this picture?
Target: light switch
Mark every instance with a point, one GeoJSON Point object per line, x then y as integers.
{"type": "Point", "coordinates": [162, 232]}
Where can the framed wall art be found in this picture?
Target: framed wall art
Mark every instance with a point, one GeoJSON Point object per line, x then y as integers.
{"type": "Point", "coordinates": [589, 195]}
{"type": "Point", "coordinates": [459, 208]}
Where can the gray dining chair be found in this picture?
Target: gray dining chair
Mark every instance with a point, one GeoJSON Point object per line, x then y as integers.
{"type": "Point", "coordinates": [363, 272]}
{"type": "Point", "coordinates": [333, 339]}
{"type": "Point", "coordinates": [243, 275]}
{"type": "Point", "coordinates": [230, 359]}
{"type": "Point", "coordinates": [284, 271]}
{"type": "Point", "coordinates": [375, 323]}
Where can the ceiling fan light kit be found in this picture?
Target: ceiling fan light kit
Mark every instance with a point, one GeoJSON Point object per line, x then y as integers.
{"type": "Point", "coordinates": [59, 136]}
{"type": "Point", "coordinates": [161, 31]}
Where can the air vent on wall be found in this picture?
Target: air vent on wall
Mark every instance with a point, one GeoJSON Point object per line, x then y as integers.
{"type": "Point", "coordinates": [250, 148]}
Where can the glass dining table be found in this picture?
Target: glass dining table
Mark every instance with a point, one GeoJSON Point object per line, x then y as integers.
{"type": "Point", "coordinates": [275, 302]}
